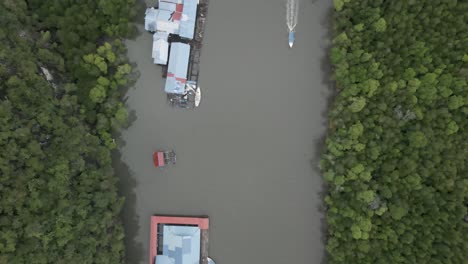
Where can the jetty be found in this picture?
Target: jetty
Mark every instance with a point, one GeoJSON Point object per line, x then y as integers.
{"type": "Point", "coordinates": [178, 28]}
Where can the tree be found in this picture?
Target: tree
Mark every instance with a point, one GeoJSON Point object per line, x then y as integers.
{"type": "Point", "coordinates": [358, 103]}
{"type": "Point", "coordinates": [397, 212]}
{"type": "Point", "coordinates": [452, 128]}
{"type": "Point", "coordinates": [455, 102]}
{"type": "Point", "coordinates": [380, 25]}
{"type": "Point", "coordinates": [338, 4]}
{"type": "Point", "coordinates": [356, 130]}
{"type": "Point", "coordinates": [97, 94]}
{"type": "Point", "coordinates": [417, 139]}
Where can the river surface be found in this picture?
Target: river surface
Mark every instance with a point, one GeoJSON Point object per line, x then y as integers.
{"type": "Point", "coordinates": [248, 156]}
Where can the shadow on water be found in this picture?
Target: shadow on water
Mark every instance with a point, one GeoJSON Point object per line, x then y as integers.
{"type": "Point", "coordinates": [128, 215]}
{"type": "Point", "coordinates": [319, 144]}
{"type": "Point", "coordinates": [126, 186]}
{"type": "Point", "coordinates": [139, 17]}
{"type": "Point", "coordinates": [127, 183]}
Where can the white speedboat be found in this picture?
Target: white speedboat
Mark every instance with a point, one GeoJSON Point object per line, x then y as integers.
{"type": "Point", "coordinates": [291, 39]}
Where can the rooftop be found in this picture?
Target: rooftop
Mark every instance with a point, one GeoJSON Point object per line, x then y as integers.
{"type": "Point", "coordinates": [179, 240]}
{"type": "Point", "coordinates": [177, 68]}
{"type": "Point", "coordinates": [173, 16]}
{"type": "Point", "coordinates": [181, 244]}
{"type": "Point", "coordinates": [160, 52]}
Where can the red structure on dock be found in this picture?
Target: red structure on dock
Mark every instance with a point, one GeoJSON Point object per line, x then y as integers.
{"type": "Point", "coordinates": [157, 222]}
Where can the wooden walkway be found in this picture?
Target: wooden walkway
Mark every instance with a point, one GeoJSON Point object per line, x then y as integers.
{"type": "Point", "coordinates": [197, 42]}
{"type": "Point", "coordinates": [204, 246]}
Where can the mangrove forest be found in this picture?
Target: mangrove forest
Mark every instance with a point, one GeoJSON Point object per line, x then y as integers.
{"type": "Point", "coordinates": [396, 152]}
{"type": "Point", "coordinates": [62, 70]}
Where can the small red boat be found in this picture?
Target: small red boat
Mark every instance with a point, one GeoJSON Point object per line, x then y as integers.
{"type": "Point", "coordinates": [162, 158]}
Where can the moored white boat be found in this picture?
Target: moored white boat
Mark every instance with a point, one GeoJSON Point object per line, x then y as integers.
{"type": "Point", "coordinates": [197, 96]}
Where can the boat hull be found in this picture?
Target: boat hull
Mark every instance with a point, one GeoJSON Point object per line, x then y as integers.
{"type": "Point", "coordinates": [291, 39]}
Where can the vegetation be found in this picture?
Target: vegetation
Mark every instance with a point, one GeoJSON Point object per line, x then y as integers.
{"type": "Point", "coordinates": [396, 154]}
{"type": "Point", "coordinates": [61, 67]}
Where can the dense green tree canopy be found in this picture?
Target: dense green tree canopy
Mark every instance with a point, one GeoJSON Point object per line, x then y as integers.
{"type": "Point", "coordinates": [61, 67]}
{"type": "Point", "coordinates": [397, 151]}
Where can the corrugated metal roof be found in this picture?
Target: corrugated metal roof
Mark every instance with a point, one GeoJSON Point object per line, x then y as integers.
{"type": "Point", "coordinates": [167, 22]}
{"type": "Point", "coordinates": [151, 17]}
{"type": "Point", "coordinates": [164, 5]}
{"type": "Point", "coordinates": [171, 1]}
{"type": "Point", "coordinates": [181, 244]}
{"type": "Point", "coordinates": [161, 259]}
{"type": "Point", "coordinates": [160, 52]}
{"type": "Point", "coordinates": [189, 16]}
{"type": "Point", "coordinates": [162, 20]}
{"type": "Point", "coordinates": [177, 68]}
{"type": "Point", "coordinates": [173, 16]}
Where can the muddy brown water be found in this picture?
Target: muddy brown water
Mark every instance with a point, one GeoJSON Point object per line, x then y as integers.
{"type": "Point", "coordinates": [247, 157]}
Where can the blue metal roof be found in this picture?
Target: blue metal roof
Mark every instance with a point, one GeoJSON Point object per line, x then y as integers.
{"type": "Point", "coordinates": [161, 20]}
{"type": "Point", "coordinates": [167, 19]}
{"type": "Point", "coordinates": [181, 245]}
{"type": "Point", "coordinates": [165, 5]}
{"type": "Point", "coordinates": [171, 1]}
{"type": "Point", "coordinates": [161, 259]}
{"type": "Point", "coordinates": [177, 68]}
{"type": "Point", "coordinates": [160, 48]}
{"type": "Point", "coordinates": [151, 18]}
{"type": "Point", "coordinates": [187, 22]}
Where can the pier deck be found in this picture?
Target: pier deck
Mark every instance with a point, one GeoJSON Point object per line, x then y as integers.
{"type": "Point", "coordinates": [204, 246]}
{"type": "Point", "coordinates": [197, 42]}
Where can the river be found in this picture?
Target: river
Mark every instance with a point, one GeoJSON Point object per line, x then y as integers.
{"type": "Point", "coordinates": [248, 156]}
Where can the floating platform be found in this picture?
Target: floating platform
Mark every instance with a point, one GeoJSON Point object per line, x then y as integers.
{"type": "Point", "coordinates": [179, 239]}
